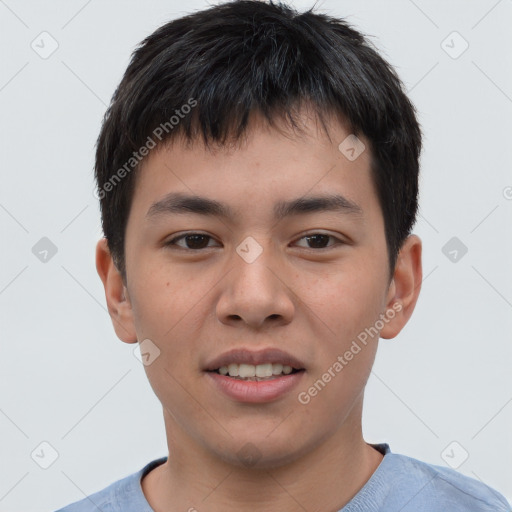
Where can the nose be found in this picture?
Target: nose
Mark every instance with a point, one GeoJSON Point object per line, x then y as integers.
{"type": "Point", "coordinates": [256, 293]}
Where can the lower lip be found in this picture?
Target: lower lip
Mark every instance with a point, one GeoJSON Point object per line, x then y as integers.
{"type": "Point", "coordinates": [253, 391]}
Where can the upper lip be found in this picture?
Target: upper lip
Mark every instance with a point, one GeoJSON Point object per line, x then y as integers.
{"type": "Point", "coordinates": [245, 356]}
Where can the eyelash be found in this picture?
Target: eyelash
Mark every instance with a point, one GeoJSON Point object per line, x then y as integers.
{"type": "Point", "coordinates": [173, 241]}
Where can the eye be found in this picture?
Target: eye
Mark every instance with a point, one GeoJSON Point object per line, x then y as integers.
{"type": "Point", "coordinates": [193, 241]}
{"type": "Point", "coordinates": [198, 241]}
{"type": "Point", "coordinates": [319, 241]}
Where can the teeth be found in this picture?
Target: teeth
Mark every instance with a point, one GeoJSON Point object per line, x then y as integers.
{"type": "Point", "coordinates": [233, 370]}
{"type": "Point", "coordinates": [277, 369]}
{"type": "Point", "coordinates": [264, 370]}
{"type": "Point", "coordinates": [250, 370]}
{"type": "Point", "coordinates": [246, 370]}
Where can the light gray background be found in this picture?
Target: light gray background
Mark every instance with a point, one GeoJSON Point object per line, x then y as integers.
{"type": "Point", "coordinates": [67, 380]}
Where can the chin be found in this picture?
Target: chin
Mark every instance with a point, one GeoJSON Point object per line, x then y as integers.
{"type": "Point", "coordinates": [261, 452]}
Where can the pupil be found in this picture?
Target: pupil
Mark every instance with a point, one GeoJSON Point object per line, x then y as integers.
{"type": "Point", "coordinates": [317, 237]}
{"type": "Point", "coordinates": [196, 244]}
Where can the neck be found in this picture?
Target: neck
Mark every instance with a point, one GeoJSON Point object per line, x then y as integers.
{"type": "Point", "coordinates": [323, 479]}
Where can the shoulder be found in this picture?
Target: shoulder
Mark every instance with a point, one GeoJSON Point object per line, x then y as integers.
{"type": "Point", "coordinates": [124, 495]}
{"type": "Point", "coordinates": [104, 500]}
{"type": "Point", "coordinates": [432, 488]}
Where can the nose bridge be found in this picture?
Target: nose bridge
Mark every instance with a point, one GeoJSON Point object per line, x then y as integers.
{"type": "Point", "coordinates": [252, 268]}
{"type": "Point", "coordinates": [253, 291]}
{"type": "Point", "coordinates": [252, 263]}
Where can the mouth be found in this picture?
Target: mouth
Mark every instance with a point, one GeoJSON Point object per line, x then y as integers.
{"type": "Point", "coordinates": [260, 372]}
{"type": "Point", "coordinates": [249, 364]}
{"type": "Point", "coordinates": [248, 376]}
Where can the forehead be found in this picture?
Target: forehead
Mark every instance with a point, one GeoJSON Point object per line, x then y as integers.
{"type": "Point", "coordinates": [264, 171]}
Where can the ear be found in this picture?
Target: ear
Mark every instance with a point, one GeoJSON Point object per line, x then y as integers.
{"type": "Point", "coordinates": [116, 293]}
{"type": "Point", "coordinates": [404, 288]}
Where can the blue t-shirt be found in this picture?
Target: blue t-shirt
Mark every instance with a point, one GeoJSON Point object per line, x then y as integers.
{"type": "Point", "coordinates": [399, 483]}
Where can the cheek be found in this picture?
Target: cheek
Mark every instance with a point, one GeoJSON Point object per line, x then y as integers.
{"type": "Point", "coordinates": [168, 311]}
{"type": "Point", "coordinates": [345, 352]}
{"type": "Point", "coordinates": [164, 302]}
{"type": "Point", "coordinates": [345, 304]}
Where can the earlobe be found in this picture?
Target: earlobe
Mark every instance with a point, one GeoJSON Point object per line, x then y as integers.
{"type": "Point", "coordinates": [404, 288]}
{"type": "Point", "coordinates": [116, 294]}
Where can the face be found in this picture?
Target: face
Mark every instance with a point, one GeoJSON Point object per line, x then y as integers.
{"type": "Point", "coordinates": [256, 278]}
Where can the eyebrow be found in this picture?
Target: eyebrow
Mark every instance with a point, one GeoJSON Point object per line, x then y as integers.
{"type": "Point", "coordinates": [179, 203]}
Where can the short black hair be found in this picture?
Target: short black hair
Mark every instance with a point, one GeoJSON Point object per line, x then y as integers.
{"type": "Point", "coordinates": [204, 75]}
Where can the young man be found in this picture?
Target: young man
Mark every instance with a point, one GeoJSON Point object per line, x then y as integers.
{"type": "Point", "coordinates": [258, 177]}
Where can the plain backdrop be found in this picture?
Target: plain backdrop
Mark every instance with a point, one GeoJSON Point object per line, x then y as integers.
{"type": "Point", "coordinates": [440, 392]}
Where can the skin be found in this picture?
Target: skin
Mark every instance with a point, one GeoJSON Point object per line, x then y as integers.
{"type": "Point", "coordinates": [308, 301]}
